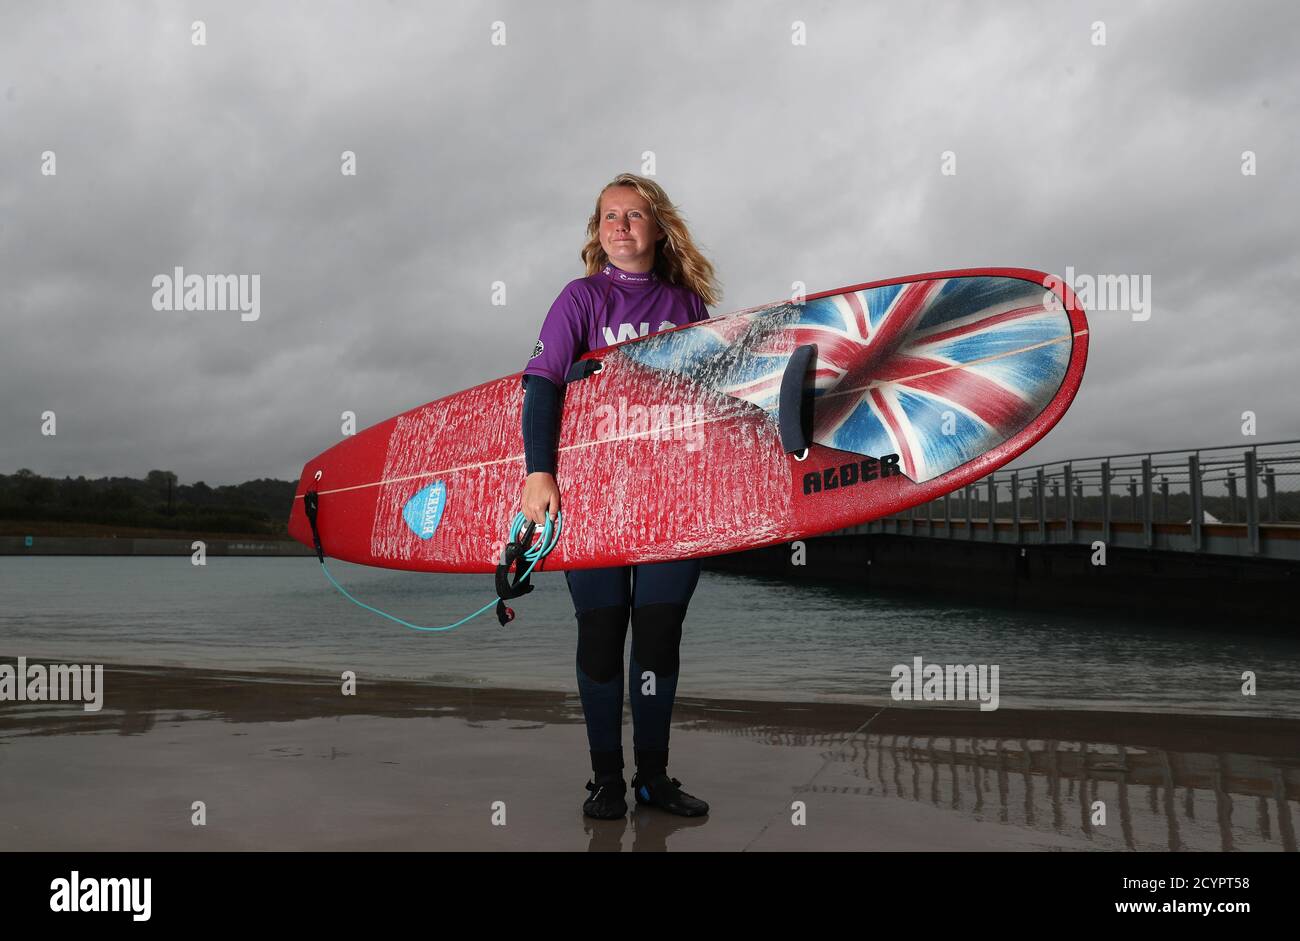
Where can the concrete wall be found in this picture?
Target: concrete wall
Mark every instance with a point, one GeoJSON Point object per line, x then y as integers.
{"type": "Point", "coordinates": [1212, 590]}
{"type": "Point", "coordinates": [97, 545]}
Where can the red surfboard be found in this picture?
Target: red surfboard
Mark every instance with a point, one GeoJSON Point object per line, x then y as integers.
{"type": "Point", "coordinates": [762, 426]}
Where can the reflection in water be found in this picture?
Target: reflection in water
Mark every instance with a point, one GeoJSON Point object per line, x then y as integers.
{"type": "Point", "coordinates": [1164, 799]}
{"type": "Point", "coordinates": [1175, 782]}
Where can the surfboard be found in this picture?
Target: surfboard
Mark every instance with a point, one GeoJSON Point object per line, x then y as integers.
{"type": "Point", "coordinates": [763, 426]}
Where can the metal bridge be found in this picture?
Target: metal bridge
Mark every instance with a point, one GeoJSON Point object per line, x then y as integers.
{"type": "Point", "coordinates": [1216, 501]}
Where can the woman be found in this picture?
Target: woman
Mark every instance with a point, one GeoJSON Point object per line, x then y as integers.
{"type": "Point", "coordinates": [644, 274]}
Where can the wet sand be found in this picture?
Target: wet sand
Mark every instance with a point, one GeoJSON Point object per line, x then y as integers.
{"type": "Point", "coordinates": [286, 762]}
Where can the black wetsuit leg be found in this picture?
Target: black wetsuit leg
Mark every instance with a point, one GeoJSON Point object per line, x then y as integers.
{"type": "Point", "coordinates": [601, 599]}
{"type": "Point", "coordinates": [661, 592]}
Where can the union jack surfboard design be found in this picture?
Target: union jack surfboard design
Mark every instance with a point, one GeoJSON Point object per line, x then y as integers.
{"type": "Point", "coordinates": [938, 372]}
{"type": "Point", "coordinates": [942, 377]}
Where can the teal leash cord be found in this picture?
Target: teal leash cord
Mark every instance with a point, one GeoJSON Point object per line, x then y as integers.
{"type": "Point", "coordinates": [534, 554]}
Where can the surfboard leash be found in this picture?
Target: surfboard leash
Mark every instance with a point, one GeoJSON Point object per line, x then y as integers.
{"type": "Point", "coordinates": [518, 549]}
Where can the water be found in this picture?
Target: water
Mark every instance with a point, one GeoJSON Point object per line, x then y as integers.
{"type": "Point", "coordinates": [745, 637]}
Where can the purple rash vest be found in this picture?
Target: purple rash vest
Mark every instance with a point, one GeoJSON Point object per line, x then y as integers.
{"type": "Point", "coordinates": [608, 307]}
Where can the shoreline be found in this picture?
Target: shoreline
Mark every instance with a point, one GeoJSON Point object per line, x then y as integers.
{"type": "Point", "coordinates": [239, 696]}
{"type": "Point", "coordinates": [221, 683]}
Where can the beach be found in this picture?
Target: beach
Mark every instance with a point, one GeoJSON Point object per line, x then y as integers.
{"type": "Point", "coordinates": [285, 761]}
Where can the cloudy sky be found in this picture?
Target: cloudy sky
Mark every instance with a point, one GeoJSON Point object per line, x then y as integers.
{"type": "Point", "coordinates": [478, 162]}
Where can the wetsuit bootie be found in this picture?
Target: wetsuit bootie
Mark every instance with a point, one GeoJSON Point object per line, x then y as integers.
{"type": "Point", "coordinates": [606, 801]}
{"type": "Point", "coordinates": [659, 790]}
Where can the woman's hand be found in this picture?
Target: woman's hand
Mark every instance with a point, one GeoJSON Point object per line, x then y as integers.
{"type": "Point", "coordinates": [541, 497]}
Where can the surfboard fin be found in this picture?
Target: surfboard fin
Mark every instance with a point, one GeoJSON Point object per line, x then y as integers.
{"type": "Point", "coordinates": [310, 504]}
{"type": "Point", "coordinates": [795, 415]}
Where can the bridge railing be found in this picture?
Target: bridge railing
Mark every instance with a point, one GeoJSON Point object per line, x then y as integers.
{"type": "Point", "coordinates": [1228, 499]}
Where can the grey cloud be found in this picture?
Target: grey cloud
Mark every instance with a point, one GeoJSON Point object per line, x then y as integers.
{"type": "Point", "coordinates": [479, 164]}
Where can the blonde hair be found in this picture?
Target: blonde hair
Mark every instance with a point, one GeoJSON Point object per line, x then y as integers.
{"type": "Point", "coordinates": [677, 260]}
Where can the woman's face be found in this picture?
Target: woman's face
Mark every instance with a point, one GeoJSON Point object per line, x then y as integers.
{"type": "Point", "coordinates": [627, 229]}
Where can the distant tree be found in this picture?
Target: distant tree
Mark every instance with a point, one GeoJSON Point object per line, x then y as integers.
{"type": "Point", "coordinates": [158, 481]}
{"type": "Point", "coordinates": [77, 493]}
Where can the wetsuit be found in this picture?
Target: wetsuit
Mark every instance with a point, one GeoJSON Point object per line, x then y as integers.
{"type": "Point", "coordinates": [590, 313]}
